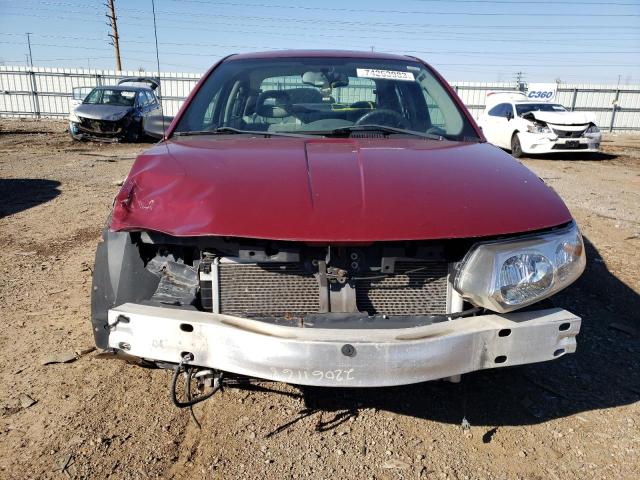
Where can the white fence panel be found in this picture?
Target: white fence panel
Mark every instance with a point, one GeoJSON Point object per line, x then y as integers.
{"type": "Point", "coordinates": [616, 107]}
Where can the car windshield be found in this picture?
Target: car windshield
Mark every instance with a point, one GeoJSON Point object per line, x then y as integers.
{"type": "Point", "coordinates": [106, 96]}
{"type": "Point", "coordinates": [539, 107]}
{"type": "Point", "coordinates": [323, 96]}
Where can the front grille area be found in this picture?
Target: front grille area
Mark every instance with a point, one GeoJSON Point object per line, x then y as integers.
{"type": "Point", "coordinates": [290, 289]}
{"type": "Point", "coordinates": [568, 133]}
{"type": "Point", "coordinates": [570, 146]}
{"type": "Point", "coordinates": [416, 288]}
{"type": "Point", "coordinates": [99, 126]}
{"type": "Point", "coordinates": [267, 289]}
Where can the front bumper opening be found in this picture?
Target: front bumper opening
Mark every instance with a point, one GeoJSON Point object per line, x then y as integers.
{"type": "Point", "coordinates": [339, 357]}
{"type": "Point", "coordinates": [103, 130]}
{"type": "Point", "coordinates": [535, 143]}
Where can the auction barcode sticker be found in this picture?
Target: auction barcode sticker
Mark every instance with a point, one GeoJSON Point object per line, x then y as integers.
{"type": "Point", "coordinates": [386, 74]}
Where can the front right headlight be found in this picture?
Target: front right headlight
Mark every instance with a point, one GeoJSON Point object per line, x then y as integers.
{"type": "Point", "coordinates": [509, 274]}
{"type": "Point", "coordinates": [538, 128]}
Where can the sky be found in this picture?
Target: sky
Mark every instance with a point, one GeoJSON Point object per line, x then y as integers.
{"type": "Point", "coordinates": [573, 41]}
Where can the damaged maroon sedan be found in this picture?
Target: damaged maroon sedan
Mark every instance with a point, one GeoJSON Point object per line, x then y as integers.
{"type": "Point", "coordinates": [332, 219]}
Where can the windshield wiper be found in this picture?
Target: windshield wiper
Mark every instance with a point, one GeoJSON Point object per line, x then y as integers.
{"type": "Point", "coordinates": [382, 128]}
{"type": "Point", "coordinates": [232, 130]}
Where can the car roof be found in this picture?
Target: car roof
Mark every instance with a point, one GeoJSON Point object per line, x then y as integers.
{"type": "Point", "coordinates": [321, 53]}
{"type": "Point", "coordinates": [530, 102]}
{"type": "Point", "coordinates": [124, 87]}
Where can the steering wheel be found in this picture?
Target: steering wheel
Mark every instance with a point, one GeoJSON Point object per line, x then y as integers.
{"type": "Point", "coordinates": [383, 116]}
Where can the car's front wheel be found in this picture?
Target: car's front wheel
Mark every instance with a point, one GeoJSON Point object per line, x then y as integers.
{"type": "Point", "coordinates": [133, 133]}
{"type": "Point", "coordinates": [516, 148]}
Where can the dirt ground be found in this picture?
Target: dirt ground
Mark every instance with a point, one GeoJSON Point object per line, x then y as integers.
{"type": "Point", "coordinates": [576, 417]}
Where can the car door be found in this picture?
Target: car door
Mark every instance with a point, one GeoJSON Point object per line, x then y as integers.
{"type": "Point", "coordinates": [490, 123]}
{"type": "Point", "coordinates": [496, 124]}
{"type": "Point", "coordinates": [143, 103]}
{"type": "Point", "coordinates": [506, 126]}
{"type": "Point", "coordinates": [153, 121]}
{"type": "Point", "coordinates": [154, 103]}
{"type": "Point", "coordinates": [78, 94]}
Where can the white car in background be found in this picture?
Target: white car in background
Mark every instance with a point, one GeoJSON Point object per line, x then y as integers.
{"type": "Point", "coordinates": [513, 122]}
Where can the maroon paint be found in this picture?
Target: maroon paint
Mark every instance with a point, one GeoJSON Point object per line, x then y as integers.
{"type": "Point", "coordinates": [333, 190]}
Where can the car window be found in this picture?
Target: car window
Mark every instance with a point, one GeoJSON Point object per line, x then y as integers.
{"type": "Point", "coordinates": [508, 110]}
{"type": "Point", "coordinates": [94, 96]}
{"type": "Point", "coordinates": [318, 95]}
{"type": "Point", "coordinates": [435, 114]}
{"type": "Point", "coordinates": [151, 97]}
{"type": "Point", "coordinates": [209, 113]}
{"type": "Point", "coordinates": [539, 107]}
{"type": "Point", "coordinates": [113, 97]}
{"type": "Point", "coordinates": [80, 93]}
{"type": "Point", "coordinates": [500, 110]}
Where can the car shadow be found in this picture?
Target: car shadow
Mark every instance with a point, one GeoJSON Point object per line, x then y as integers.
{"type": "Point", "coordinates": [574, 156]}
{"type": "Point", "coordinates": [603, 373]}
{"type": "Point", "coordinates": [18, 194]}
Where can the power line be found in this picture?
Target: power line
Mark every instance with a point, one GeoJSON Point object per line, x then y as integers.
{"type": "Point", "coordinates": [418, 34]}
{"type": "Point", "coordinates": [486, 2]}
{"type": "Point", "coordinates": [355, 10]}
{"type": "Point", "coordinates": [234, 46]}
{"type": "Point", "coordinates": [82, 38]}
{"type": "Point", "coordinates": [242, 19]}
{"type": "Point", "coordinates": [527, 2]}
{"type": "Point", "coordinates": [470, 64]}
{"type": "Point", "coordinates": [405, 12]}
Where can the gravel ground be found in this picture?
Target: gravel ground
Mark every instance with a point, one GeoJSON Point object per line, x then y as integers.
{"type": "Point", "coordinates": [576, 417]}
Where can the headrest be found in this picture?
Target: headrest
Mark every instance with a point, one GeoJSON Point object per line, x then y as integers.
{"type": "Point", "coordinates": [278, 103]}
{"type": "Point", "coordinates": [273, 104]}
{"type": "Point", "coordinates": [304, 95]}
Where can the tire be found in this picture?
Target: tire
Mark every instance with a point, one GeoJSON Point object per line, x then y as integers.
{"type": "Point", "coordinates": [133, 133]}
{"type": "Point", "coordinates": [516, 148]}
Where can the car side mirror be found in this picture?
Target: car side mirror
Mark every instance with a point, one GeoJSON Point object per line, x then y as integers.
{"type": "Point", "coordinates": [509, 115]}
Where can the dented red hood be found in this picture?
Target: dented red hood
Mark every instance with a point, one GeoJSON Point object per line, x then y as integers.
{"type": "Point", "coordinates": [334, 190]}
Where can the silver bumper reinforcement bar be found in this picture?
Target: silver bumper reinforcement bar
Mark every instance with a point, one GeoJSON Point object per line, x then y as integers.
{"type": "Point", "coordinates": [342, 357]}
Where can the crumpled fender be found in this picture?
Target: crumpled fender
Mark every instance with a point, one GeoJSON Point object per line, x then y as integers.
{"type": "Point", "coordinates": [145, 190]}
{"type": "Point", "coordinates": [119, 276]}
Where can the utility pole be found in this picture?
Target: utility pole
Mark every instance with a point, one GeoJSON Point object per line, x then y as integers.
{"type": "Point", "coordinates": [29, 44]}
{"type": "Point", "coordinates": [519, 82]}
{"type": "Point", "coordinates": [115, 39]}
